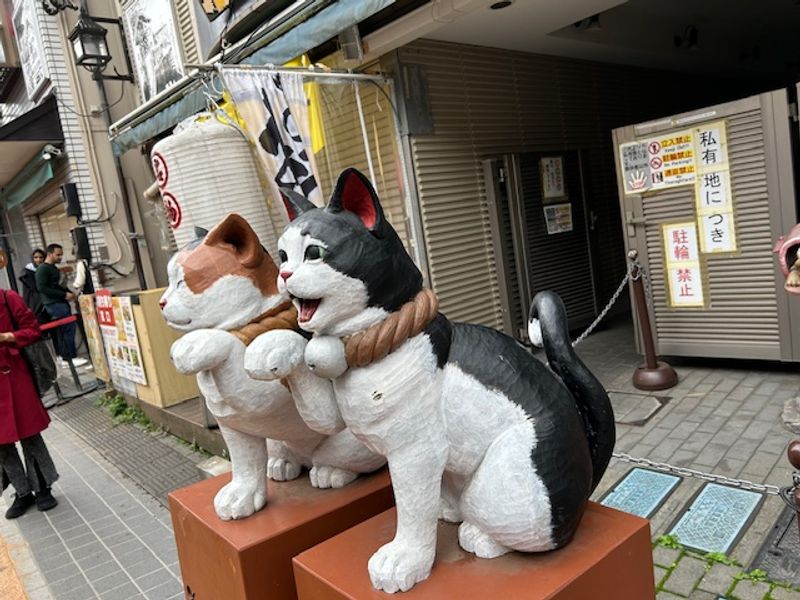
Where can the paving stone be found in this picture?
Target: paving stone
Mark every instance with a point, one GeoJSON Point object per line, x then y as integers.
{"type": "Point", "coordinates": [719, 579]}
{"type": "Point", "coordinates": [665, 557]}
{"type": "Point", "coordinates": [784, 594]}
{"type": "Point", "coordinates": [749, 590]}
{"type": "Point", "coordinates": [662, 595]}
{"type": "Point", "coordinates": [684, 578]}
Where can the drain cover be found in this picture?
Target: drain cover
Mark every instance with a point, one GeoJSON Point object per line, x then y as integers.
{"type": "Point", "coordinates": [780, 554]}
{"type": "Point", "coordinates": [635, 409]}
{"type": "Point", "coordinates": [641, 492]}
{"type": "Point", "coordinates": [716, 517]}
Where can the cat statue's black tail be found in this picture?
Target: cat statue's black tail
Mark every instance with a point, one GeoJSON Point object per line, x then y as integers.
{"type": "Point", "coordinates": [590, 395]}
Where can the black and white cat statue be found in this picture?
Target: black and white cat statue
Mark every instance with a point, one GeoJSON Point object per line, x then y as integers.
{"type": "Point", "coordinates": [475, 430]}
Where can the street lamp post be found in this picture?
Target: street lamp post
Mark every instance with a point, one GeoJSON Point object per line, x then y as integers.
{"type": "Point", "coordinates": [90, 49]}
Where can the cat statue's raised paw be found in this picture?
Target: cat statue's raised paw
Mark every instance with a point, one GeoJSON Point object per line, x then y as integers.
{"type": "Point", "coordinates": [221, 286]}
{"type": "Point", "coordinates": [473, 427]}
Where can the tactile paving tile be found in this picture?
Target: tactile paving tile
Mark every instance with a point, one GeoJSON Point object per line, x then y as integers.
{"type": "Point", "coordinates": [641, 492]}
{"type": "Point", "coordinates": [715, 518]}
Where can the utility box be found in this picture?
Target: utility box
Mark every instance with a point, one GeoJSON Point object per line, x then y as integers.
{"type": "Point", "coordinates": [703, 197]}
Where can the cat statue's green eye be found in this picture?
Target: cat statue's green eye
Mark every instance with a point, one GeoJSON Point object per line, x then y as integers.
{"type": "Point", "coordinates": [314, 253]}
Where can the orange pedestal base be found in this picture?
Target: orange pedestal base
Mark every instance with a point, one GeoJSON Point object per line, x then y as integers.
{"type": "Point", "coordinates": [252, 558]}
{"type": "Point", "coordinates": [609, 559]}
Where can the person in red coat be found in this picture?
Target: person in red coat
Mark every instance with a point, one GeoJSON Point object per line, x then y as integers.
{"type": "Point", "coordinates": [22, 415]}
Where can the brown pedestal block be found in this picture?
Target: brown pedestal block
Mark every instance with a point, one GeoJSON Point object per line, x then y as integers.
{"type": "Point", "coordinates": [609, 559]}
{"type": "Point", "coordinates": [252, 558]}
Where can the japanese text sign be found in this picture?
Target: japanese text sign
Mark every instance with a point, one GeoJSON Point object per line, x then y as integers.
{"type": "Point", "coordinates": [684, 273]}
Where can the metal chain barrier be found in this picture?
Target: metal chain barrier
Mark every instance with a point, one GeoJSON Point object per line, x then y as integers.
{"type": "Point", "coordinates": [785, 493]}
{"type": "Point", "coordinates": [628, 277]}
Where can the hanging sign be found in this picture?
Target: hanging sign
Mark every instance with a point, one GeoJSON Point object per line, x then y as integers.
{"type": "Point", "coordinates": [558, 218]}
{"type": "Point", "coordinates": [684, 273]}
{"type": "Point", "coordinates": [551, 169]}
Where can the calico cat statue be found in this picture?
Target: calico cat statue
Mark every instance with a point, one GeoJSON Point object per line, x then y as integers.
{"type": "Point", "coordinates": [220, 286]}
{"type": "Point", "coordinates": [474, 428]}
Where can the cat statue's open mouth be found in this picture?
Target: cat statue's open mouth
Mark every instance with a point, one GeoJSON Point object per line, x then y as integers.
{"type": "Point", "coordinates": [307, 308]}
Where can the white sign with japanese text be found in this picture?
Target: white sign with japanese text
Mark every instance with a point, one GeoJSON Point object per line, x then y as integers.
{"type": "Point", "coordinates": [552, 171]}
{"type": "Point", "coordinates": [558, 218]}
{"type": "Point", "coordinates": [712, 146]}
{"type": "Point", "coordinates": [675, 158]}
{"type": "Point", "coordinates": [714, 207]}
{"type": "Point", "coordinates": [658, 162]}
{"type": "Point", "coordinates": [682, 265]}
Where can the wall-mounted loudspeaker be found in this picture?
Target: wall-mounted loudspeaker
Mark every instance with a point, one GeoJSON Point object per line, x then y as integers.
{"type": "Point", "coordinates": [80, 239]}
{"type": "Point", "coordinates": [69, 194]}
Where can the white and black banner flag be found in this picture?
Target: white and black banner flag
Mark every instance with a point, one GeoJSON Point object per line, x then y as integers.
{"type": "Point", "coordinates": [274, 108]}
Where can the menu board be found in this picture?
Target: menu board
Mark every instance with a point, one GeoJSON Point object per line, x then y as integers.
{"type": "Point", "coordinates": [94, 337]}
{"type": "Point", "coordinates": [115, 316]}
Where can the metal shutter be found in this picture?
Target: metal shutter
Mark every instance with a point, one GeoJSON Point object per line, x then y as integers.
{"type": "Point", "coordinates": [749, 313]}
{"type": "Point", "coordinates": [558, 262]}
{"type": "Point", "coordinates": [187, 35]}
{"type": "Point", "coordinates": [488, 102]}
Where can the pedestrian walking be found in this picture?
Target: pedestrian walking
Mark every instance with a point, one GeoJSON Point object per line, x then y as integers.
{"type": "Point", "coordinates": [29, 292]}
{"type": "Point", "coordinates": [56, 297]}
{"type": "Point", "coordinates": [22, 415]}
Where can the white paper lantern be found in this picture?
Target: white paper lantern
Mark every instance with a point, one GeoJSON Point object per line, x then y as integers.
{"type": "Point", "coordinates": [205, 170]}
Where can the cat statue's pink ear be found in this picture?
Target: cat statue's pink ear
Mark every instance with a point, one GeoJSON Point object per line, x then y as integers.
{"type": "Point", "coordinates": [296, 204]}
{"type": "Point", "coordinates": [354, 193]}
{"type": "Point", "coordinates": [236, 231]}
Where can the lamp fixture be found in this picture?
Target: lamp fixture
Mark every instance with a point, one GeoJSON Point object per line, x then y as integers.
{"type": "Point", "coordinates": [90, 49]}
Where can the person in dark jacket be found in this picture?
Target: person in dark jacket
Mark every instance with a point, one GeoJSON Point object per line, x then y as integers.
{"type": "Point", "coordinates": [29, 292]}
{"type": "Point", "coordinates": [56, 297]}
{"type": "Point", "coordinates": [24, 417]}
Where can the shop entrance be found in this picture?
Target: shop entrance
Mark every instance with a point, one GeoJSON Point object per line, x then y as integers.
{"type": "Point", "coordinates": [542, 234]}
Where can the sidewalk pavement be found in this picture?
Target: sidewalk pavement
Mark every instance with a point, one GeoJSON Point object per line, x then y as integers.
{"type": "Point", "coordinates": [109, 538]}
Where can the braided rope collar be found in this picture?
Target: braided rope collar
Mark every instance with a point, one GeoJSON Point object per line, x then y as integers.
{"type": "Point", "coordinates": [283, 316]}
{"type": "Point", "coordinates": [379, 340]}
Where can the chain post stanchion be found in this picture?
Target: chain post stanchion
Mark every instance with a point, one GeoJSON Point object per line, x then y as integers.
{"type": "Point", "coordinates": [654, 374]}
{"type": "Point", "coordinates": [793, 454]}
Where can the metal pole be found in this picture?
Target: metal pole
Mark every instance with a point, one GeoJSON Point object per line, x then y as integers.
{"type": "Point", "coordinates": [126, 201]}
{"type": "Point", "coordinates": [793, 453]}
{"type": "Point", "coordinates": [653, 375]}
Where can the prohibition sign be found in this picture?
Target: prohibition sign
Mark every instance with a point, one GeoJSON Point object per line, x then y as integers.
{"type": "Point", "coordinates": [654, 147]}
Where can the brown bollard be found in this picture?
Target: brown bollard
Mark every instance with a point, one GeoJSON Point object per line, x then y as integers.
{"type": "Point", "coordinates": [793, 453]}
{"type": "Point", "coordinates": [654, 374]}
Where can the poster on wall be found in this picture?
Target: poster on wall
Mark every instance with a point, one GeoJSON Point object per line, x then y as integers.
{"type": "Point", "coordinates": [94, 337]}
{"type": "Point", "coordinates": [115, 317]}
{"type": "Point", "coordinates": [674, 158]}
{"type": "Point", "coordinates": [156, 57]}
{"type": "Point", "coordinates": [558, 218]}
{"type": "Point", "coordinates": [551, 169]}
{"type": "Point", "coordinates": [684, 272]}
{"type": "Point", "coordinates": [658, 162]}
{"type": "Point", "coordinates": [31, 49]}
